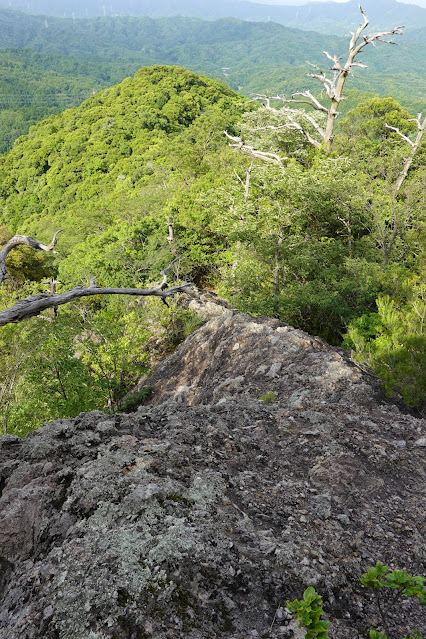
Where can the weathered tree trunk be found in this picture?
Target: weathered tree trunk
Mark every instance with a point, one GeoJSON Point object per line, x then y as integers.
{"type": "Point", "coordinates": [332, 87]}
{"type": "Point", "coordinates": [246, 186]}
{"type": "Point", "coordinates": [277, 259]}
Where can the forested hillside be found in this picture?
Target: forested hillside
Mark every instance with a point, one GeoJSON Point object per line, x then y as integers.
{"type": "Point", "coordinates": [54, 64]}
{"type": "Point", "coordinates": [108, 173]}
{"type": "Point", "coordinates": [142, 173]}
{"type": "Point", "coordinates": [324, 17]}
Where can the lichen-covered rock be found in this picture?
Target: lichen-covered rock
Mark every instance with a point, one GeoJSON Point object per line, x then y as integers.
{"type": "Point", "coordinates": [199, 515]}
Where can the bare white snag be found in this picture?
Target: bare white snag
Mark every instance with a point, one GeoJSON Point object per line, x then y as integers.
{"type": "Point", "coordinates": [252, 152]}
{"type": "Point", "coordinates": [332, 87]}
{"type": "Point", "coordinates": [36, 304]}
{"type": "Point", "coordinates": [421, 127]}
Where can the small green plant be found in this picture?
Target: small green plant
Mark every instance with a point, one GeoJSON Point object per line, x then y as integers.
{"type": "Point", "coordinates": [380, 577]}
{"type": "Point", "coordinates": [132, 401]}
{"type": "Point", "coordinates": [308, 612]}
{"type": "Point", "coordinates": [191, 322]}
{"type": "Point", "coordinates": [268, 396]}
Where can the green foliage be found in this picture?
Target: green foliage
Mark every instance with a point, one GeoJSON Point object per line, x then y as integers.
{"type": "Point", "coordinates": [380, 578]}
{"type": "Point", "coordinates": [110, 345]}
{"type": "Point", "coordinates": [363, 134]}
{"type": "Point", "coordinates": [369, 120]}
{"type": "Point", "coordinates": [268, 396]}
{"type": "Point", "coordinates": [88, 357]}
{"type": "Point", "coordinates": [393, 342]}
{"type": "Point", "coordinates": [134, 400]}
{"type": "Point", "coordinates": [293, 258]}
{"type": "Point", "coordinates": [111, 176]}
{"type": "Point", "coordinates": [401, 584]}
{"type": "Point", "coordinates": [308, 611]}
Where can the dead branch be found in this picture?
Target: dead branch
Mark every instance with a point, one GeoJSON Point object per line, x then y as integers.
{"type": "Point", "coordinates": [286, 110]}
{"type": "Point", "coordinates": [293, 124]}
{"type": "Point", "coordinates": [401, 135]}
{"type": "Point", "coordinates": [251, 151]}
{"type": "Point", "coordinates": [23, 240]}
{"type": "Point", "coordinates": [36, 304]}
{"type": "Point", "coordinates": [312, 101]}
{"type": "Point", "coordinates": [421, 127]}
{"type": "Point", "coordinates": [290, 124]}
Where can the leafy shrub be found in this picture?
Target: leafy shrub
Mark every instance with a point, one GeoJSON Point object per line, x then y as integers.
{"type": "Point", "coordinates": [131, 402]}
{"type": "Point", "coordinates": [308, 612]}
{"type": "Point", "coordinates": [401, 584]}
{"type": "Point", "coordinates": [393, 342]}
{"type": "Point", "coordinates": [378, 577]}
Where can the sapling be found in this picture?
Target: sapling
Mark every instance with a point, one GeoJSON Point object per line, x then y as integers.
{"type": "Point", "coordinates": [402, 584]}
{"type": "Point", "coordinates": [308, 612]}
{"type": "Point", "coordinates": [268, 396]}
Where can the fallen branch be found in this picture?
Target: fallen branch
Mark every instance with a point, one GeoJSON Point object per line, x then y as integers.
{"type": "Point", "coordinates": [36, 304]}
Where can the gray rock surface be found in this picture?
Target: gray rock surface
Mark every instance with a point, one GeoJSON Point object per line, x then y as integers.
{"type": "Point", "coordinates": [198, 515]}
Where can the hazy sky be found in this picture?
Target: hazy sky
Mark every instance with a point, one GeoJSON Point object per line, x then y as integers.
{"type": "Point", "coordinates": [420, 3]}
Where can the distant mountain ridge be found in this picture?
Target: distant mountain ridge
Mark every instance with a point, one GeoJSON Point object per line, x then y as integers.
{"type": "Point", "coordinates": [230, 42]}
{"type": "Point", "coordinates": [324, 17]}
{"type": "Point", "coordinates": [48, 64]}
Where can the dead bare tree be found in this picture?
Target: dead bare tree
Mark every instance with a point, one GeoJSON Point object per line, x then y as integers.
{"type": "Point", "coordinates": [332, 87]}
{"type": "Point", "coordinates": [36, 304]}
{"type": "Point", "coordinates": [251, 151]}
{"type": "Point", "coordinates": [421, 127]}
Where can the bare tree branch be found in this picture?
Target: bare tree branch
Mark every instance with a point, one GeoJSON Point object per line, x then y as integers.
{"type": "Point", "coordinates": [286, 110]}
{"type": "Point", "coordinates": [23, 240]}
{"type": "Point", "coordinates": [404, 137]}
{"type": "Point", "coordinates": [251, 151]}
{"type": "Point", "coordinates": [298, 127]}
{"type": "Point", "coordinates": [312, 101]}
{"type": "Point", "coordinates": [36, 304]}
{"type": "Point", "coordinates": [421, 127]}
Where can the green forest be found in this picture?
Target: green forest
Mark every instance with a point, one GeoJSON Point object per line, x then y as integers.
{"type": "Point", "coordinates": [329, 240]}
{"type": "Point", "coordinates": [49, 64]}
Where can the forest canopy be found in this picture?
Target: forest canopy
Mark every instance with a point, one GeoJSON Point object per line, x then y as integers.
{"type": "Point", "coordinates": [142, 172]}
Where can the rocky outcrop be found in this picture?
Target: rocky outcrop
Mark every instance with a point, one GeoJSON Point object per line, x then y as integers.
{"type": "Point", "coordinates": [266, 462]}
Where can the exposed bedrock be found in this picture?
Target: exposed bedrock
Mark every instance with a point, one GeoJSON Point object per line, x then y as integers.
{"type": "Point", "coordinates": [198, 515]}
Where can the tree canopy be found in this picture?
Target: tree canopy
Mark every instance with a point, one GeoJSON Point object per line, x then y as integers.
{"type": "Point", "coordinates": [142, 172]}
